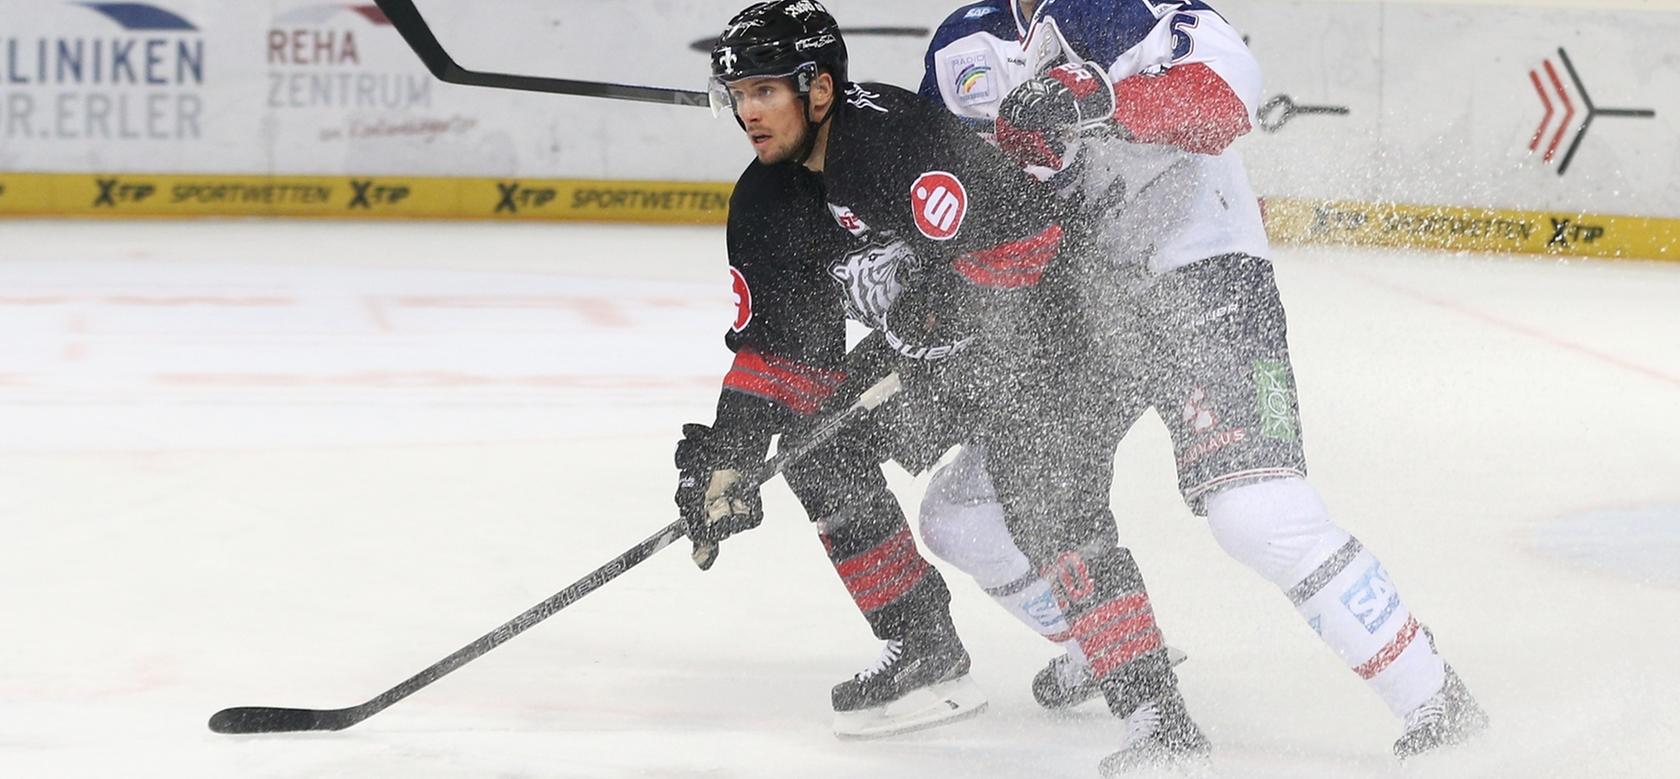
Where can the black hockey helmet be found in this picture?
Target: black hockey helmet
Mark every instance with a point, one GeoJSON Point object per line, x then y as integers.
{"type": "Point", "coordinates": [792, 38]}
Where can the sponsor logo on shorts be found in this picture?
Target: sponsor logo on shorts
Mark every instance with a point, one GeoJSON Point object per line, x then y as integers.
{"type": "Point", "coordinates": [1372, 599]}
{"type": "Point", "coordinates": [1198, 413]}
{"type": "Point", "coordinates": [1213, 442]}
{"type": "Point", "coordinates": [1276, 400]}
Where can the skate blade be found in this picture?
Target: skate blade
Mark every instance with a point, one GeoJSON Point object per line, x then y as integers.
{"type": "Point", "coordinates": [929, 707]}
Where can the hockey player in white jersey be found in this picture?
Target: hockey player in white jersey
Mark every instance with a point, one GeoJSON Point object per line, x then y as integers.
{"type": "Point", "coordinates": [1133, 105]}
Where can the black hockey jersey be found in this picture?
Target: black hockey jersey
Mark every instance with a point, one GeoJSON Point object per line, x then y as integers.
{"type": "Point", "coordinates": [915, 227]}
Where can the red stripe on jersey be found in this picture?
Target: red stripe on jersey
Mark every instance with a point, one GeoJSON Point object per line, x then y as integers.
{"type": "Point", "coordinates": [1012, 265]}
{"type": "Point", "coordinates": [1189, 106]}
{"type": "Point", "coordinates": [801, 388]}
{"type": "Point", "coordinates": [801, 378]}
{"type": "Point", "coordinates": [1385, 657]}
{"type": "Point", "coordinates": [754, 384]}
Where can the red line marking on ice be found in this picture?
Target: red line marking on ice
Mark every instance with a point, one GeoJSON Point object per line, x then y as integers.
{"type": "Point", "coordinates": [435, 380]}
{"type": "Point", "coordinates": [376, 312]}
{"type": "Point", "coordinates": [198, 300]}
{"type": "Point", "coordinates": [150, 300]}
{"type": "Point", "coordinates": [598, 311]}
{"type": "Point", "coordinates": [1520, 329]}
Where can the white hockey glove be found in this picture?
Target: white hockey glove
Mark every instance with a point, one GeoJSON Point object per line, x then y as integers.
{"type": "Point", "coordinates": [714, 501]}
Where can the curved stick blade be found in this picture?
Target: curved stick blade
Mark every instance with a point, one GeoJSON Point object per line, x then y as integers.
{"type": "Point", "coordinates": [268, 719]}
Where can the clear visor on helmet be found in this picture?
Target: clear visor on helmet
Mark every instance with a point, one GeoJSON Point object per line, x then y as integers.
{"type": "Point", "coordinates": [722, 101]}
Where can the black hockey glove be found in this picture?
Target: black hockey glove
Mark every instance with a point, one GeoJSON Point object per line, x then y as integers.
{"type": "Point", "coordinates": [1038, 117]}
{"type": "Point", "coordinates": [712, 495]}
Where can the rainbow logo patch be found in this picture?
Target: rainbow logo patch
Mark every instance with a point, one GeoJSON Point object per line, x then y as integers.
{"type": "Point", "coordinates": [971, 77]}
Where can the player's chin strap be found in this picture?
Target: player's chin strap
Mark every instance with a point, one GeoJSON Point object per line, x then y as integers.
{"type": "Point", "coordinates": [813, 129]}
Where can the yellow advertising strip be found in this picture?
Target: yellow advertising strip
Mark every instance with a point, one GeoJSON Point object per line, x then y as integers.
{"type": "Point", "coordinates": [1389, 225]}
{"type": "Point", "coordinates": [1288, 220]}
{"type": "Point", "coordinates": [128, 195]}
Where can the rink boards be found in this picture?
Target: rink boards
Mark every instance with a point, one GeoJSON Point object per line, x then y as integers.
{"type": "Point", "coordinates": [1554, 119]}
{"type": "Point", "coordinates": [1289, 220]}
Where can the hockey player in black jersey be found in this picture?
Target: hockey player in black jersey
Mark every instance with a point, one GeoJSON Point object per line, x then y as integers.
{"type": "Point", "coordinates": [864, 203]}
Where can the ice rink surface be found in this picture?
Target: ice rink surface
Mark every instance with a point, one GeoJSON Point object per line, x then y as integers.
{"type": "Point", "coordinates": [269, 463]}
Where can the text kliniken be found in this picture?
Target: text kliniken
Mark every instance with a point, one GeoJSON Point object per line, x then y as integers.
{"type": "Point", "coordinates": [104, 88]}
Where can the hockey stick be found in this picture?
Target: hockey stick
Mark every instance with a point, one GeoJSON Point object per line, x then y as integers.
{"type": "Point", "coordinates": [408, 21]}
{"type": "Point", "coordinates": [269, 719]}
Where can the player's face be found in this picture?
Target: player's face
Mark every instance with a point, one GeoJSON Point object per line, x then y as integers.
{"type": "Point", "coordinates": [773, 116]}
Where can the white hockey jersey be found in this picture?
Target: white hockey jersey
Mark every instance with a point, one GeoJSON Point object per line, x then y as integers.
{"type": "Point", "coordinates": [975, 59]}
{"type": "Point", "coordinates": [1185, 88]}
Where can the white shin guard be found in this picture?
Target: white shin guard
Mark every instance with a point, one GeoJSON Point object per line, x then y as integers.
{"type": "Point", "coordinates": [1282, 530]}
{"type": "Point", "coordinates": [962, 523]}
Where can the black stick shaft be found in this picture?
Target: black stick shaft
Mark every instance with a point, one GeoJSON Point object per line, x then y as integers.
{"type": "Point", "coordinates": [271, 719]}
{"type": "Point", "coordinates": [418, 34]}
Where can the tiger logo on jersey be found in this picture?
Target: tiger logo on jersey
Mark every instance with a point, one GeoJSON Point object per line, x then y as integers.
{"type": "Point", "coordinates": [872, 279]}
{"type": "Point", "coordinates": [939, 202]}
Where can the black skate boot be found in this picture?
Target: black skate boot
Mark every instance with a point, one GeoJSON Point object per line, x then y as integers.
{"type": "Point", "coordinates": [1450, 717]}
{"type": "Point", "coordinates": [1159, 734]}
{"type": "Point", "coordinates": [1067, 682]}
{"type": "Point", "coordinates": [920, 681]}
{"type": "Point", "coordinates": [1064, 682]}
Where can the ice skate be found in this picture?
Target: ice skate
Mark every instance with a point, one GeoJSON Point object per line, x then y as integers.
{"type": "Point", "coordinates": [920, 681]}
{"type": "Point", "coordinates": [1160, 734]}
{"type": "Point", "coordinates": [1450, 717]}
{"type": "Point", "coordinates": [1067, 681]}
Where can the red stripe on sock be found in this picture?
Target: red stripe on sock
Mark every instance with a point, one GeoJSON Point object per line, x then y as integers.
{"type": "Point", "coordinates": [885, 573]}
{"type": "Point", "coordinates": [901, 558]}
{"type": "Point", "coordinates": [1123, 606]}
{"type": "Point", "coordinates": [903, 581]}
{"type": "Point", "coordinates": [1117, 633]}
{"type": "Point", "coordinates": [1118, 657]}
{"type": "Point", "coordinates": [1386, 656]}
{"type": "Point", "coordinates": [873, 558]}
